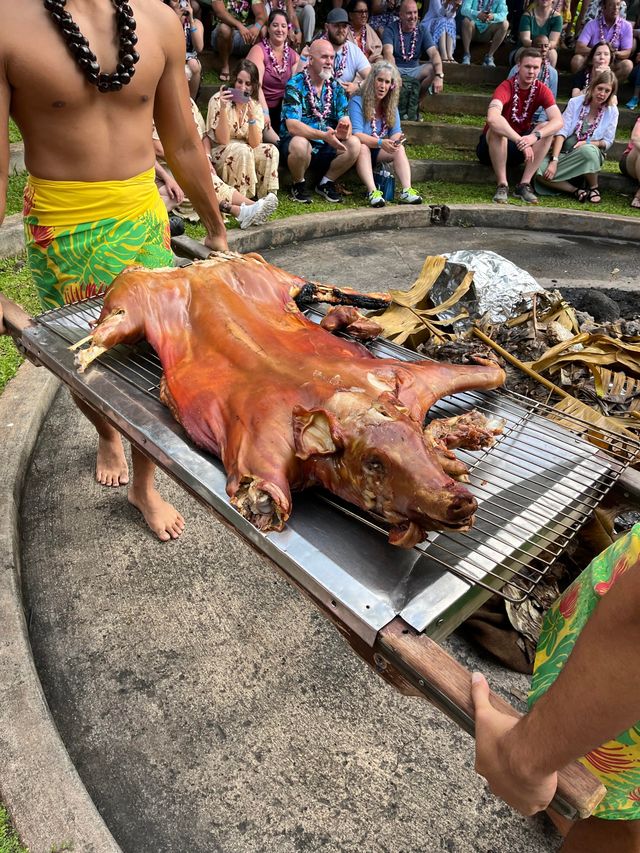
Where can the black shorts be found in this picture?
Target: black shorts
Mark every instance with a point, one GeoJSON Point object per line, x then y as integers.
{"type": "Point", "coordinates": [515, 157]}
{"type": "Point", "coordinates": [623, 164]}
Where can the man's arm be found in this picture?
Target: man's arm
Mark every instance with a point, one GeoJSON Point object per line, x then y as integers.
{"type": "Point", "coordinates": [554, 121]}
{"type": "Point", "coordinates": [498, 123]}
{"type": "Point", "coordinates": [387, 53]}
{"type": "Point", "coordinates": [5, 100]}
{"type": "Point", "coordinates": [177, 131]}
{"type": "Point", "coordinates": [594, 698]}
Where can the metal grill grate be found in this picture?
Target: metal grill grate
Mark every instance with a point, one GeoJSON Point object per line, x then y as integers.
{"type": "Point", "coordinates": [535, 487]}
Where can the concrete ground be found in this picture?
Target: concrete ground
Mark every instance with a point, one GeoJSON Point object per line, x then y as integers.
{"type": "Point", "coordinates": [206, 705]}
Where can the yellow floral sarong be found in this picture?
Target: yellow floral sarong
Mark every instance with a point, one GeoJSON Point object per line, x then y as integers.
{"type": "Point", "coordinates": [616, 763]}
{"type": "Point", "coordinates": [80, 235]}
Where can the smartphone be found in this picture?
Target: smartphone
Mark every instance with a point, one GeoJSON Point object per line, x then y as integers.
{"type": "Point", "coordinates": [239, 97]}
{"type": "Point", "coordinates": [400, 140]}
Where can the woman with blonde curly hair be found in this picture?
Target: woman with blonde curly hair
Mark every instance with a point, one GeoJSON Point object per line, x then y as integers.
{"type": "Point", "coordinates": [376, 122]}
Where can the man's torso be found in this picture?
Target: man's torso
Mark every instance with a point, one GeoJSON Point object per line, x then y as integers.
{"type": "Point", "coordinates": [70, 130]}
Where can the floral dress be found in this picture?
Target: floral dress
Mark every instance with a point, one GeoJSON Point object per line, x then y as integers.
{"type": "Point", "coordinates": [252, 171]}
{"type": "Point", "coordinates": [616, 763]}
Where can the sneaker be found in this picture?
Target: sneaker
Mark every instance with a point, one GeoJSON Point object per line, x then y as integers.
{"type": "Point", "coordinates": [410, 196]}
{"type": "Point", "coordinates": [299, 193]}
{"type": "Point", "coordinates": [489, 61]}
{"type": "Point", "coordinates": [501, 194]}
{"type": "Point", "coordinates": [525, 192]}
{"type": "Point", "coordinates": [176, 225]}
{"type": "Point", "coordinates": [258, 213]}
{"type": "Point", "coordinates": [376, 199]}
{"type": "Point", "coordinates": [466, 59]}
{"type": "Point", "coordinates": [632, 104]}
{"type": "Point", "coordinates": [329, 193]}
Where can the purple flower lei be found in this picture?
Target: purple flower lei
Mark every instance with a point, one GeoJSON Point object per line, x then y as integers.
{"type": "Point", "coordinates": [545, 72]}
{"type": "Point", "coordinates": [279, 69]}
{"type": "Point", "coordinates": [342, 64]}
{"type": "Point", "coordinates": [238, 7]}
{"type": "Point", "coordinates": [412, 48]}
{"type": "Point", "coordinates": [515, 118]}
{"type": "Point", "coordinates": [484, 5]}
{"type": "Point", "coordinates": [583, 133]}
{"type": "Point", "coordinates": [614, 39]}
{"type": "Point", "coordinates": [313, 100]}
{"type": "Point", "coordinates": [383, 128]}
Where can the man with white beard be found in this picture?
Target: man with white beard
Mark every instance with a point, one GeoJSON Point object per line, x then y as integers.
{"type": "Point", "coordinates": [316, 127]}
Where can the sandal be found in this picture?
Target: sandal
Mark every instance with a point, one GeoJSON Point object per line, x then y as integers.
{"type": "Point", "coordinates": [635, 201]}
{"type": "Point", "coordinates": [224, 76]}
{"type": "Point", "coordinates": [593, 194]}
{"type": "Point", "coordinates": [580, 195]}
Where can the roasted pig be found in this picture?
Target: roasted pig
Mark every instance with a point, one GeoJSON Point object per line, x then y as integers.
{"type": "Point", "coordinates": [286, 405]}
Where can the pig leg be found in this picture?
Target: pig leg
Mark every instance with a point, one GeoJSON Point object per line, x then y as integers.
{"type": "Point", "coordinates": [258, 486]}
{"type": "Point", "coordinates": [348, 319]}
{"type": "Point", "coordinates": [420, 384]}
{"type": "Point", "coordinates": [308, 292]}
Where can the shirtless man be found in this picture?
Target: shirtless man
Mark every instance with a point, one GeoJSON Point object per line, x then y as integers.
{"type": "Point", "coordinates": [101, 141]}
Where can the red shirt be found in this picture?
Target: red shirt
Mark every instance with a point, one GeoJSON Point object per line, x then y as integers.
{"type": "Point", "coordinates": [504, 93]}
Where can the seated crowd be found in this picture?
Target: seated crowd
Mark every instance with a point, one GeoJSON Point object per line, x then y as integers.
{"type": "Point", "coordinates": [322, 103]}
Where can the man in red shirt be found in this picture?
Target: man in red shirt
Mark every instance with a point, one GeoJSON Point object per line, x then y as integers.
{"type": "Point", "coordinates": [510, 136]}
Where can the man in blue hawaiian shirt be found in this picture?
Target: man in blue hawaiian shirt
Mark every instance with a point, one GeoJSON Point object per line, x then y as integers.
{"type": "Point", "coordinates": [316, 126]}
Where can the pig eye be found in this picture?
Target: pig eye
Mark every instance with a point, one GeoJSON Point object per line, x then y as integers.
{"type": "Point", "coordinates": [373, 465]}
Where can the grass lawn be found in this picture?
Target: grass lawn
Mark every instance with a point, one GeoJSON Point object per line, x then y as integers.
{"type": "Point", "coordinates": [16, 283]}
{"type": "Point", "coordinates": [14, 193]}
{"type": "Point", "coordinates": [14, 133]}
{"type": "Point", "coordinates": [9, 841]}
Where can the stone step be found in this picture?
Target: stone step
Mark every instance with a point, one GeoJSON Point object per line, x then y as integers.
{"type": "Point", "coordinates": [16, 158]}
{"type": "Point", "coordinates": [11, 236]}
{"type": "Point", "coordinates": [463, 137]}
{"type": "Point", "coordinates": [455, 103]}
{"type": "Point", "coordinates": [472, 172]}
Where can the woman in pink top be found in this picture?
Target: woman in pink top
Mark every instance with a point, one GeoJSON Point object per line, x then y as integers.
{"type": "Point", "coordinates": [275, 60]}
{"type": "Point", "coordinates": [630, 161]}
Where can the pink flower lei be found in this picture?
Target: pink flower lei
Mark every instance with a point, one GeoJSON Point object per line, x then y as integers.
{"type": "Point", "coordinates": [412, 48]}
{"type": "Point", "coordinates": [327, 99]}
{"type": "Point", "coordinates": [615, 36]}
{"type": "Point", "coordinates": [279, 69]}
{"type": "Point", "coordinates": [519, 118]}
{"type": "Point", "coordinates": [363, 37]}
{"type": "Point", "coordinates": [585, 133]}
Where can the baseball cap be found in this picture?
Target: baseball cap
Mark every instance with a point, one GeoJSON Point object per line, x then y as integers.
{"type": "Point", "coordinates": [337, 16]}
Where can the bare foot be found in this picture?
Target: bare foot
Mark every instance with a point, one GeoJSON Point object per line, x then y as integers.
{"type": "Point", "coordinates": [163, 519]}
{"type": "Point", "coordinates": [111, 464]}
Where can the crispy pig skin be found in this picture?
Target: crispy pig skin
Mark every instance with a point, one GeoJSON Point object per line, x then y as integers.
{"type": "Point", "coordinates": [284, 403]}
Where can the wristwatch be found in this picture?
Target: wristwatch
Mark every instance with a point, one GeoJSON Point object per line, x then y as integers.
{"type": "Point", "coordinates": [440, 74]}
{"type": "Point", "coordinates": [553, 158]}
{"type": "Point", "coordinates": [537, 135]}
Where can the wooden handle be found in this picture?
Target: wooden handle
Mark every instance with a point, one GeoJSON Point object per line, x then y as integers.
{"type": "Point", "coordinates": [15, 319]}
{"type": "Point", "coordinates": [447, 685]}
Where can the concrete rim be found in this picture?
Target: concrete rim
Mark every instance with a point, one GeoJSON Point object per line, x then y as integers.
{"type": "Point", "coordinates": [38, 782]}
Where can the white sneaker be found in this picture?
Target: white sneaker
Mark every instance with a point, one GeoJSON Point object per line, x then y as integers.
{"type": "Point", "coordinates": [466, 59]}
{"type": "Point", "coordinates": [257, 213]}
{"type": "Point", "coordinates": [489, 61]}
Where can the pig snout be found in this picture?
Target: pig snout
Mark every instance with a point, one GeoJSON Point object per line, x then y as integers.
{"type": "Point", "coordinates": [452, 505]}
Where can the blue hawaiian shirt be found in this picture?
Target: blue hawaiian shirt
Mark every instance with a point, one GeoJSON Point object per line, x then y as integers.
{"type": "Point", "coordinates": [296, 106]}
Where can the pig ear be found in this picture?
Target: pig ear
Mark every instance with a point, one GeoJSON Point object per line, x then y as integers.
{"type": "Point", "coordinates": [316, 432]}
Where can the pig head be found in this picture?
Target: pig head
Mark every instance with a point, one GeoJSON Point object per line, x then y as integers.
{"type": "Point", "coordinates": [359, 448]}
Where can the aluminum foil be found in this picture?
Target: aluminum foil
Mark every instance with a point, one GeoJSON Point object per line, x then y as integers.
{"type": "Point", "coordinates": [498, 287]}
